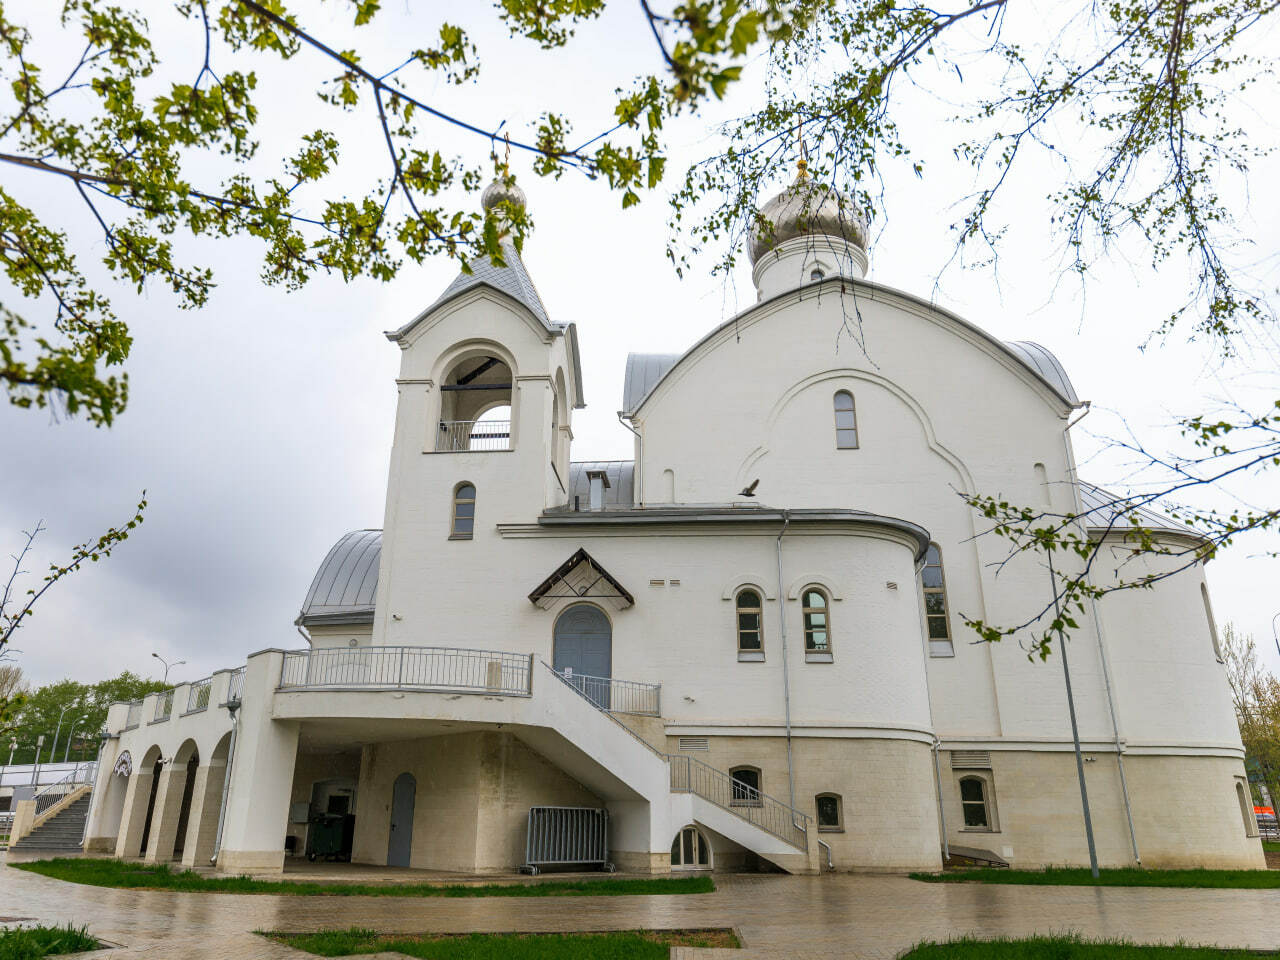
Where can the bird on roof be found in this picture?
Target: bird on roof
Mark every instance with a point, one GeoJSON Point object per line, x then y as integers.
{"type": "Point", "coordinates": [750, 489]}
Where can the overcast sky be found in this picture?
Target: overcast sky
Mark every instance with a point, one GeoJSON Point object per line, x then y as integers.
{"type": "Point", "coordinates": [261, 425]}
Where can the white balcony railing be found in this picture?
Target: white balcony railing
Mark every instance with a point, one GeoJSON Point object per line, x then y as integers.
{"type": "Point", "coordinates": [445, 669]}
{"type": "Point", "coordinates": [134, 716]}
{"type": "Point", "coordinates": [235, 686]}
{"type": "Point", "coordinates": [198, 696]}
{"type": "Point", "coordinates": [457, 436]}
{"type": "Point", "coordinates": [164, 705]}
{"type": "Point", "coordinates": [618, 696]}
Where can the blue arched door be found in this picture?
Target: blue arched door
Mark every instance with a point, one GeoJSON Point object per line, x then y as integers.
{"type": "Point", "coordinates": [584, 651]}
{"type": "Point", "coordinates": [400, 840]}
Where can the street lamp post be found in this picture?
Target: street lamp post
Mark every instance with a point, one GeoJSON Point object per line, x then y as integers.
{"type": "Point", "coordinates": [67, 752]}
{"type": "Point", "coordinates": [167, 665]}
{"type": "Point", "coordinates": [1274, 635]}
{"type": "Point", "coordinates": [53, 751]}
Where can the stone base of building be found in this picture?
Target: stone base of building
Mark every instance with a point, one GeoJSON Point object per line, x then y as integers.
{"type": "Point", "coordinates": [106, 845]}
{"type": "Point", "coordinates": [251, 861]}
{"type": "Point", "coordinates": [628, 861]}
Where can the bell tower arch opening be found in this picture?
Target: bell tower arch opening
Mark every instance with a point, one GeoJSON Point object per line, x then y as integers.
{"type": "Point", "coordinates": [475, 405]}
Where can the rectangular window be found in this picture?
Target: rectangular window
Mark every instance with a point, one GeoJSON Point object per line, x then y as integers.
{"type": "Point", "coordinates": [975, 803]}
{"type": "Point", "coordinates": [846, 422]}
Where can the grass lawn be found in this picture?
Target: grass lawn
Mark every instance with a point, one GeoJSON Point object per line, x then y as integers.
{"type": "Point", "coordinates": [620, 945]}
{"type": "Point", "coordinates": [116, 873]}
{"type": "Point", "coordinates": [1119, 877]}
{"type": "Point", "coordinates": [31, 943]}
{"type": "Point", "coordinates": [1066, 948]}
{"type": "Point", "coordinates": [1271, 844]}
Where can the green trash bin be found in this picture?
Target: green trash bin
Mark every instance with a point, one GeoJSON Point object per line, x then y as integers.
{"type": "Point", "coordinates": [324, 837]}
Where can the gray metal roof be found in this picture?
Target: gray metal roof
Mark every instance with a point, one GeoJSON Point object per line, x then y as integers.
{"type": "Point", "coordinates": [1106, 510]}
{"type": "Point", "coordinates": [344, 587]}
{"type": "Point", "coordinates": [619, 495]}
{"type": "Point", "coordinates": [513, 280]}
{"type": "Point", "coordinates": [1048, 367]}
{"type": "Point", "coordinates": [644, 370]}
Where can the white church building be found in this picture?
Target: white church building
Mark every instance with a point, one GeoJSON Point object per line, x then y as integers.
{"type": "Point", "coordinates": [742, 649]}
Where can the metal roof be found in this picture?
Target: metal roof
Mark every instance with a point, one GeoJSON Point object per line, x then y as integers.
{"type": "Point", "coordinates": [644, 370]}
{"type": "Point", "coordinates": [513, 280]}
{"type": "Point", "coordinates": [1105, 510]}
{"type": "Point", "coordinates": [619, 495]}
{"type": "Point", "coordinates": [344, 587]}
{"type": "Point", "coordinates": [1045, 365]}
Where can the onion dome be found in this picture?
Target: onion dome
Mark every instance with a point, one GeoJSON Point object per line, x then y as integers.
{"type": "Point", "coordinates": [503, 188]}
{"type": "Point", "coordinates": [807, 208]}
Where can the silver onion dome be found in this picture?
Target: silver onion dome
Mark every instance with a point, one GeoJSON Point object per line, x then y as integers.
{"type": "Point", "coordinates": [503, 188]}
{"type": "Point", "coordinates": [806, 208]}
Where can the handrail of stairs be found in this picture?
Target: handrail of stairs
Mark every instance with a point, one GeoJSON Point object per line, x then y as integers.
{"type": "Point", "coordinates": [582, 693]}
{"type": "Point", "coordinates": [690, 775]}
{"type": "Point", "coordinates": [49, 797]}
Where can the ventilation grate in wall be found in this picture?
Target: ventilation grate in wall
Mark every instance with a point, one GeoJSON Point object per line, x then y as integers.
{"type": "Point", "coordinates": [693, 743]}
{"type": "Point", "coordinates": [970, 759]}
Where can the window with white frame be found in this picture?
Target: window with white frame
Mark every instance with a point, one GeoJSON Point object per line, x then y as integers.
{"type": "Point", "coordinates": [690, 850]}
{"type": "Point", "coordinates": [750, 624]}
{"type": "Point", "coordinates": [846, 421]}
{"type": "Point", "coordinates": [1245, 798]}
{"type": "Point", "coordinates": [817, 624]}
{"type": "Point", "coordinates": [830, 810]}
{"type": "Point", "coordinates": [464, 512]}
{"type": "Point", "coordinates": [934, 588]}
{"type": "Point", "coordinates": [976, 803]}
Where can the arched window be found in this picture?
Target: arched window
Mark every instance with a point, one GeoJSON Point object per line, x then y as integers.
{"type": "Point", "coordinates": [750, 625]}
{"type": "Point", "coordinates": [975, 803]}
{"type": "Point", "coordinates": [464, 512]}
{"type": "Point", "coordinates": [746, 787]}
{"type": "Point", "coordinates": [817, 624]}
{"type": "Point", "coordinates": [1213, 625]}
{"type": "Point", "coordinates": [935, 604]}
{"type": "Point", "coordinates": [690, 850]}
{"type": "Point", "coordinates": [830, 810]}
{"type": "Point", "coordinates": [846, 422]}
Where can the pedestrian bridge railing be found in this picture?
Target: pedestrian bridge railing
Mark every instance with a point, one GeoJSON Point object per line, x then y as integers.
{"type": "Point", "coordinates": [444, 669]}
{"type": "Point", "coordinates": [49, 797]}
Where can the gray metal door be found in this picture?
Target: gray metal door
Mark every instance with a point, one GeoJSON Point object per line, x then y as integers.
{"type": "Point", "coordinates": [401, 840]}
{"type": "Point", "coordinates": [584, 644]}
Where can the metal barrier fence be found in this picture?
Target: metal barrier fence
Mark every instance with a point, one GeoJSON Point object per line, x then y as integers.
{"type": "Point", "coordinates": [198, 697]}
{"type": "Point", "coordinates": [135, 715]}
{"type": "Point", "coordinates": [451, 669]}
{"type": "Point", "coordinates": [456, 436]}
{"type": "Point", "coordinates": [36, 775]}
{"type": "Point", "coordinates": [689, 775]}
{"type": "Point", "coordinates": [617, 696]}
{"type": "Point", "coordinates": [236, 686]}
{"type": "Point", "coordinates": [564, 835]}
{"type": "Point", "coordinates": [164, 705]}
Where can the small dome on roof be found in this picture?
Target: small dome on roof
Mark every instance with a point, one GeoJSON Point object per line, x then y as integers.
{"type": "Point", "coordinates": [803, 209]}
{"type": "Point", "coordinates": [503, 188]}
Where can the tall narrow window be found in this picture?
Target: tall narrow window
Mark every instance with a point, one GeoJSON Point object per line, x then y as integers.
{"type": "Point", "coordinates": [464, 512]}
{"type": "Point", "coordinates": [1246, 808]}
{"type": "Point", "coordinates": [746, 787]}
{"type": "Point", "coordinates": [750, 633]}
{"type": "Point", "coordinates": [974, 801]}
{"type": "Point", "coordinates": [846, 422]}
{"type": "Point", "coordinates": [817, 624]}
{"type": "Point", "coordinates": [935, 604]}
{"type": "Point", "coordinates": [1213, 625]}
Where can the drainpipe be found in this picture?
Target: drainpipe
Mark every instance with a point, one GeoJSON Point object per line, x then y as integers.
{"type": "Point", "coordinates": [942, 814]}
{"type": "Point", "coordinates": [786, 674]}
{"type": "Point", "coordinates": [639, 471]}
{"type": "Point", "coordinates": [234, 709]}
{"type": "Point", "coordinates": [1102, 651]}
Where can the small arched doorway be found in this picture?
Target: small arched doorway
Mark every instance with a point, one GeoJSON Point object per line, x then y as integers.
{"type": "Point", "coordinates": [156, 767]}
{"type": "Point", "coordinates": [400, 840]}
{"type": "Point", "coordinates": [690, 850]}
{"type": "Point", "coordinates": [583, 651]}
{"type": "Point", "coordinates": [188, 757]}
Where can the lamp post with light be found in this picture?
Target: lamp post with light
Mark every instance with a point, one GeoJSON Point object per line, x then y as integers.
{"type": "Point", "coordinates": [167, 665]}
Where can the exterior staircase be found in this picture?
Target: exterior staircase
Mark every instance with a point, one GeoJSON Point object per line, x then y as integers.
{"type": "Point", "coordinates": [62, 833]}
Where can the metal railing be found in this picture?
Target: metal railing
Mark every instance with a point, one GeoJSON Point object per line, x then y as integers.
{"type": "Point", "coordinates": [55, 793]}
{"type": "Point", "coordinates": [690, 775]}
{"type": "Point", "coordinates": [235, 686]}
{"type": "Point", "coordinates": [618, 696]}
{"type": "Point", "coordinates": [476, 435]}
{"type": "Point", "coordinates": [135, 715]}
{"type": "Point", "coordinates": [198, 696]}
{"type": "Point", "coordinates": [35, 775]}
{"type": "Point", "coordinates": [164, 705]}
{"type": "Point", "coordinates": [639, 739]}
{"type": "Point", "coordinates": [448, 669]}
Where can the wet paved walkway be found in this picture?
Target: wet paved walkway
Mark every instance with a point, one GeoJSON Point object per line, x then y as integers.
{"type": "Point", "coordinates": [777, 916]}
